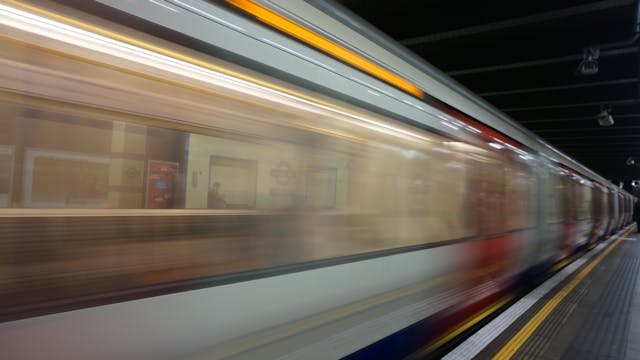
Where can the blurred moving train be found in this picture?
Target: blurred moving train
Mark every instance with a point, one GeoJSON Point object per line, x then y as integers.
{"type": "Point", "coordinates": [260, 179]}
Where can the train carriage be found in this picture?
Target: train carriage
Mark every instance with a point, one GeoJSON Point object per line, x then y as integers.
{"type": "Point", "coordinates": [252, 179]}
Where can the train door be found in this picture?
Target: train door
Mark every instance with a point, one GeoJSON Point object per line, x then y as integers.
{"type": "Point", "coordinates": [542, 244]}
{"type": "Point", "coordinates": [619, 213]}
{"type": "Point", "coordinates": [597, 211]}
{"type": "Point", "coordinates": [584, 210]}
{"type": "Point", "coordinates": [611, 210]}
{"type": "Point", "coordinates": [521, 206]}
{"type": "Point", "coordinates": [555, 211]}
{"type": "Point", "coordinates": [607, 211]}
{"type": "Point", "coordinates": [569, 201]}
{"type": "Point", "coordinates": [487, 197]}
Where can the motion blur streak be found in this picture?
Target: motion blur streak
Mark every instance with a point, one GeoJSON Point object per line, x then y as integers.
{"type": "Point", "coordinates": [72, 35]}
{"type": "Point", "coordinates": [159, 202]}
{"type": "Point", "coordinates": [277, 171]}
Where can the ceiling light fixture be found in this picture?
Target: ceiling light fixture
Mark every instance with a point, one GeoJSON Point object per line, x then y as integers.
{"type": "Point", "coordinates": [589, 64]}
{"type": "Point", "coordinates": [604, 116]}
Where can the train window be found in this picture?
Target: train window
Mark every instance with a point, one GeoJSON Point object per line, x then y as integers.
{"type": "Point", "coordinates": [236, 173]}
{"type": "Point", "coordinates": [55, 179]}
{"type": "Point", "coordinates": [88, 161]}
{"type": "Point", "coordinates": [414, 196]}
{"type": "Point", "coordinates": [78, 161]}
{"type": "Point", "coordinates": [231, 183]}
{"type": "Point", "coordinates": [78, 157]}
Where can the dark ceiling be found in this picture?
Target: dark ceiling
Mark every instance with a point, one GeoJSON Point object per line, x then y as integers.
{"type": "Point", "coordinates": [523, 56]}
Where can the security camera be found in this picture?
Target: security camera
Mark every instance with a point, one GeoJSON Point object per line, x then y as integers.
{"type": "Point", "coordinates": [588, 67]}
{"type": "Point", "coordinates": [604, 118]}
{"type": "Point", "coordinates": [589, 64]}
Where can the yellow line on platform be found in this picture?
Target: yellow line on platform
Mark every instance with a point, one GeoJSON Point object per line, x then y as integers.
{"type": "Point", "coordinates": [521, 337]}
{"type": "Point", "coordinates": [466, 325]}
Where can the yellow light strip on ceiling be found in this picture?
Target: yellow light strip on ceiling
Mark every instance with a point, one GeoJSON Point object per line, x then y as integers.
{"type": "Point", "coordinates": [301, 33]}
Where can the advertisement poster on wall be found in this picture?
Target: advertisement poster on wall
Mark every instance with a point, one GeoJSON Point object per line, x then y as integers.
{"type": "Point", "coordinates": [161, 178]}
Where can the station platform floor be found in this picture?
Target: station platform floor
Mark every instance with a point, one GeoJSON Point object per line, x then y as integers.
{"type": "Point", "coordinates": [588, 310]}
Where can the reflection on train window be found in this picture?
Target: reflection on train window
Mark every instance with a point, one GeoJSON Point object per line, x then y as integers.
{"type": "Point", "coordinates": [321, 188]}
{"type": "Point", "coordinates": [61, 180]}
{"type": "Point", "coordinates": [74, 159]}
{"type": "Point", "coordinates": [78, 157]}
{"type": "Point", "coordinates": [232, 183]}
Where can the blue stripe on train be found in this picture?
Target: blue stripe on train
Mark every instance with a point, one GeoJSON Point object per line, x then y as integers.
{"type": "Point", "coordinates": [405, 342]}
{"type": "Point", "coordinates": [400, 344]}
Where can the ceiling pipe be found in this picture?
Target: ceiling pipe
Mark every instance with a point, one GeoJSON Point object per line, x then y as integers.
{"type": "Point", "coordinates": [510, 23]}
{"type": "Point", "coordinates": [538, 62]}
{"type": "Point", "coordinates": [559, 87]}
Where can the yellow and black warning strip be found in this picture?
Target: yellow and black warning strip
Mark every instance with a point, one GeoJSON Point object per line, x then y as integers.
{"type": "Point", "coordinates": [535, 322]}
{"type": "Point", "coordinates": [531, 323]}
